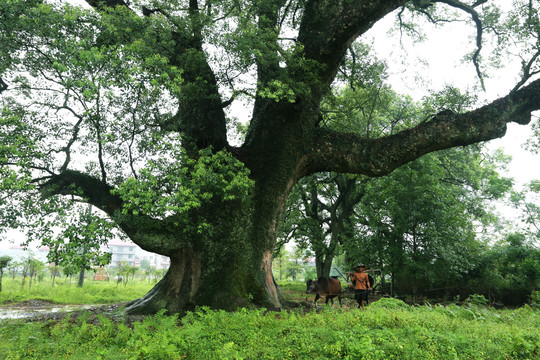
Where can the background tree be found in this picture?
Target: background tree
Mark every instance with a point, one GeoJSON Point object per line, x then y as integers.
{"type": "Point", "coordinates": [527, 203]}
{"type": "Point", "coordinates": [279, 262]}
{"type": "Point", "coordinates": [54, 270]}
{"type": "Point", "coordinates": [4, 263]}
{"type": "Point", "coordinates": [79, 246]}
{"type": "Point", "coordinates": [321, 207]}
{"type": "Point", "coordinates": [31, 267]}
{"type": "Point", "coordinates": [125, 271]}
{"type": "Point", "coordinates": [14, 267]}
{"type": "Point", "coordinates": [508, 272]}
{"type": "Point", "coordinates": [97, 103]}
{"type": "Point", "coordinates": [324, 209]}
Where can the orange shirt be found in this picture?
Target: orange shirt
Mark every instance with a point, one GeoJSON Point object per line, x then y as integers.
{"type": "Point", "coordinates": [362, 281]}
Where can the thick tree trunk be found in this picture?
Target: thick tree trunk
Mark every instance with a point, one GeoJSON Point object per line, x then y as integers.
{"type": "Point", "coordinates": [177, 290]}
{"type": "Point", "coordinates": [230, 269]}
{"type": "Point", "coordinates": [192, 281]}
{"type": "Point", "coordinates": [323, 264]}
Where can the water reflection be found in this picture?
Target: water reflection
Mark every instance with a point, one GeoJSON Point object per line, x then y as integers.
{"type": "Point", "coordinates": [19, 312]}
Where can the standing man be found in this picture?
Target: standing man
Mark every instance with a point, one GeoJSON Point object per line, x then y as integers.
{"type": "Point", "coordinates": [361, 284]}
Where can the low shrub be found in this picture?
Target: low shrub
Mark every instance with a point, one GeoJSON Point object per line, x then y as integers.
{"type": "Point", "coordinates": [386, 329]}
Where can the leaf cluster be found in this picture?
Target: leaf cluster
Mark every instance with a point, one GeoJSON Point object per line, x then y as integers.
{"type": "Point", "coordinates": [176, 186]}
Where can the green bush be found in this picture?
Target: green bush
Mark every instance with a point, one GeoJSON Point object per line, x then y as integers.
{"type": "Point", "coordinates": [385, 331]}
{"type": "Point", "coordinates": [389, 303]}
{"type": "Point", "coordinates": [476, 300]}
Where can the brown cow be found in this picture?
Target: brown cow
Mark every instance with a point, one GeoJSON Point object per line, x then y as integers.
{"type": "Point", "coordinates": [324, 287]}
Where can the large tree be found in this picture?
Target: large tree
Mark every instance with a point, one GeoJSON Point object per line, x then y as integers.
{"type": "Point", "coordinates": [97, 102]}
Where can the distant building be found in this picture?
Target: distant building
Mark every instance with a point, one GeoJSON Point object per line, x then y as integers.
{"type": "Point", "coordinates": [157, 261]}
{"type": "Point", "coordinates": [129, 252]}
{"type": "Point", "coordinates": [122, 251]}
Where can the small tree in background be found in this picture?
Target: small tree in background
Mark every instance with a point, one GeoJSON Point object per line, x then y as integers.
{"type": "Point", "coordinates": [30, 268]}
{"type": "Point", "coordinates": [280, 260]}
{"type": "Point", "coordinates": [4, 262]}
{"type": "Point", "coordinates": [54, 270]}
{"type": "Point", "coordinates": [296, 263]}
{"type": "Point", "coordinates": [508, 272]}
{"type": "Point", "coordinates": [153, 274]}
{"type": "Point", "coordinates": [79, 245]}
{"type": "Point", "coordinates": [13, 268]}
{"type": "Point", "coordinates": [125, 271]}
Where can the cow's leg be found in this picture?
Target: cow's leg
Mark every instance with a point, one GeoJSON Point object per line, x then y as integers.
{"type": "Point", "coordinates": [331, 298]}
{"type": "Point", "coordinates": [339, 299]}
{"type": "Point", "coordinates": [316, 298]}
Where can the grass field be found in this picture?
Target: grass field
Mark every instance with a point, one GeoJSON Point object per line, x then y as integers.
{"type": "Point", "coordinates": [387, 329]}
{"type": "Point", "coordinates": [67, 292]}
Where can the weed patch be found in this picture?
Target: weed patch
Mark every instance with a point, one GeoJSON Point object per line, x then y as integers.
{"type": "Point", "coordinates": [384, 330]}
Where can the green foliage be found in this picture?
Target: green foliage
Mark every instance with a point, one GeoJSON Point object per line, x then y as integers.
{"type": "Point", "coordinates": [4, 262]}
{"type": "Point", "coordinates": [172, 186]}
{"type": "Point", "coordinates": [95, 91]}
{"type": "Point", "coordinates": [188, 194]}
{"type": "Point", "coordinates": [377, 333]}
{"type": "Point", "coordinates": [476, 300]}
{"type": "Point", "coordinates": [418, 222]}
{"type": "Point", "coordinates": [535, 299]}
{"type": "Point", "coordinates": [527, 202]}
{"type": "Point", "coordinates": [289, 265]}
{"type": "Point", "coordinates": [31, 267]}
{"type": "Point", "coordinates": [79, 244]}
{"type": "Point", "coordinates": [508, 272]}
{"type": "Point", "coordinates": [126, 271]}
{"type": "Point", "coordinates": [389, 303]}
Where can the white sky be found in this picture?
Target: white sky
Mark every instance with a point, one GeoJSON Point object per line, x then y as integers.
{"type": "Point", "coordinates": [444, 52]}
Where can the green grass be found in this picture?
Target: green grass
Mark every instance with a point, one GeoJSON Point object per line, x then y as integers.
{"type": "Point", "coordinates": [93, 292]}
{"type": "Point", "coordinates": [387, 329]}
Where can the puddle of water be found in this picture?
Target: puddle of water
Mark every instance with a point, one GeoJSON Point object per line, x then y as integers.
{"type": "Point", "coordinates": [24, 312]}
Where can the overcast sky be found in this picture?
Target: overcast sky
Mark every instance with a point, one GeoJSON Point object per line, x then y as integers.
{"type": "Point", "coordinates": [444, 51]}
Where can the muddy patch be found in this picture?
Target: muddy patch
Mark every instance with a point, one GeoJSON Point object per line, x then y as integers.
{"type": "Point", "coordinates": [46, 312]}
{"type": "Point", "coordinates": [34, 308]}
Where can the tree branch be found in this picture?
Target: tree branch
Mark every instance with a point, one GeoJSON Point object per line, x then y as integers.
{"type": "Point", "coordinates": [3, 86]}
{"type": "Point", "coordinates": [329, 27]}
{"type": "Point", "coordinates": [97, 193]}
{"type": "Point", "coordinates": [103, 4]}
{"type": "Point", "coordinates": [76, 183]}
{"type": "Point", "coordinates": [200, 115]}
{"type": "Point", "coordinates": [376, 157]}
{"type": "Point", "coordinates": [479, 31]}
